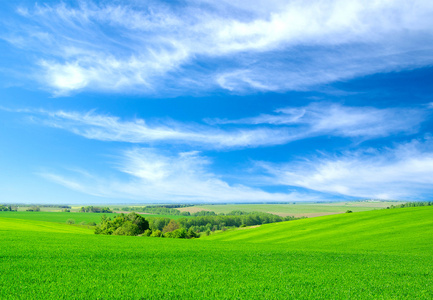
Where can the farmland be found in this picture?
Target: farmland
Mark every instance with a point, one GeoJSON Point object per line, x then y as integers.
{"type": "Point", "coordinates": [298, 209]}
{"type": "Point", "coordinates": [383, 254]}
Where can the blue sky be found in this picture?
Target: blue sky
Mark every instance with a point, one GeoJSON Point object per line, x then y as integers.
{"type": "Point", "coordinates": [215, 101]}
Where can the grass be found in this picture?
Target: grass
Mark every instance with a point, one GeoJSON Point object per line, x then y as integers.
{"type": "Point", "coordinates": [62, 217]}
{"type": "Point", "coordinates": [372, 255]}
{"type": "Point", "coordinates": [298, 210]}
{"type": "Point", "coordinates": [391, 230]}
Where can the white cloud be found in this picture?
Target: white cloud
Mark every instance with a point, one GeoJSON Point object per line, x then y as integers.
{"type": "Point", "coordinates": [286, 125]}
{"type": "Point", "coordinates": [333, 119]}
{"type": "Point", "coordinates": [403, 172]}
{"type": "Point", "coordinates": [107, 128]}
{"type": "Point", "coordinates": [284, 45]}
{"type": "Point", "coordinates": [157, 177]}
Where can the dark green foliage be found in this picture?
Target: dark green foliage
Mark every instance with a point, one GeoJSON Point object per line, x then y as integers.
{"type": "Point", "coordinates": [6, 208]}
{"type": "Point", "coordinates": [413, 204]}
{"type": "Point", "coordinates": [33, 208]}
{"type": "Point", "coordinates": [158, 223]}
{"type": "Point", "coordinates": [156, 233]}
{"type": "Point", "coordinates": [160, 209]}
{"type": "Point", "coordinates": [96, 209]}
{"type": "Point", "coordinates": [238, 219]}
{"type": "Point", "coordinates": [131, 224]}
{"type": "Point", "coordinates": [70, 221]}
{"type": "Point", "coordinates": [349, 211]}
{"type": "Point", "coordinates": [204, 213]}
{"type": "Point", "coordinates": [171, 226]}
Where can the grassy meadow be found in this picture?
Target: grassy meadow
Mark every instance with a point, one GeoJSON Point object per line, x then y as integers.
{"type": "Point", "coordinates": [62, 217]}
{"type": "Point", "coordinates": [382, 254]}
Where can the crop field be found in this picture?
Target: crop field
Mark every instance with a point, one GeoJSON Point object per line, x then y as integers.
{"type": "Point", "coordinates": [382, 254]}
{"type": "Point", "coordinates": [297, 210]}
{"type": "Point", "coordinates": [62, 217]}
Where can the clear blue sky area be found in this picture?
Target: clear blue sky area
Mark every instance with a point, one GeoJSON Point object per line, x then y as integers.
{"type": "Point", "coordinates": [215, 101]}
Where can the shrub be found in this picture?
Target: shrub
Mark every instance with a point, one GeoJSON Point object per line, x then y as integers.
{"type": "Point", "coordinates": [156, 233]}
{"type": "Point", "coordinates": [349, 211]}
{"type": "Point", "coordinates": [70, 221]}
{"type": "Point", "coordinates": [131, 224]}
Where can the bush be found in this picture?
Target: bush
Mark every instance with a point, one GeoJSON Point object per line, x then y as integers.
{"type": "Point", "coordinates": [127, 228]}
{"type": "Point", "coordinates": [131, 224]}
{"type": "Point", "coordinates": [349, 211]}
{"type": "Point", "coordinates": [156, 233]}
{"type": "Point", "coordinates": [70, 221]}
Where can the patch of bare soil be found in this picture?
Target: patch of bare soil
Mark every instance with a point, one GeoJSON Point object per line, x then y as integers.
{"type": "Point", "coordinates": [318, 214]}
{"type": "Point", "coordinates": [248, 227]}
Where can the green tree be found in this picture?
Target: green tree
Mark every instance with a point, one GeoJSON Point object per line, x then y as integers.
{"type": "Point", "coordinates": [172, 226]}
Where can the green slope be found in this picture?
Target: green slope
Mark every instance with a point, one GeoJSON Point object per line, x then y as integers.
{"type": "Point", "coordinates": [351, 256]}
{"type": "Point", "coordinates": [10, 226]}
{"type": "Point", "coordinates": [409, 229]}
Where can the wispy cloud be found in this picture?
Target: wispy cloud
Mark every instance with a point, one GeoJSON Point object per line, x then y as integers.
{"type": "Point", "coordinates": [319, 119]}
{"type": "Point", "coordinates": [403, 172]}
{"type": "Point", "coordinates": [154, 176]}
{"type": "Point", "coordinates": [159, 48]}
{"type": "Point", "coordinates": [284, 126]}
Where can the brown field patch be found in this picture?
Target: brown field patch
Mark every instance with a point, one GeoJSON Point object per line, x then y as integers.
{"type": "Point", "coordinates": [248, 227]}
{"type": "Point", "coordinates": [316, 214]}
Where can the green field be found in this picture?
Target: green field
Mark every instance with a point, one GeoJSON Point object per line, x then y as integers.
{"type": "Point", "coordinates": [297, 210]}
{"type": "Point", "coordinates": [62, 217]}
{"type": "Point", "coordinates": [382, 254]}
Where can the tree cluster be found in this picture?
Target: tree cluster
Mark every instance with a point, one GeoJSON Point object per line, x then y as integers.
{"type": "Point", "coordinates": [6, 208]}
{"type": "Point", "coordinates": [33, 208]}
{"type": "Point", "coordinates": [413, 204]}
{"type": "Point", "coordinates": [131, 224]}
{"type": "Point", "coordinates": [214, 222]}
{"type": "Point", "coordinates": [160, 210]}
{"type": "Point", "coordinates": [96, 209]}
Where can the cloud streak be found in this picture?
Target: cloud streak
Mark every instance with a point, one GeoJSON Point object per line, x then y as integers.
{"type": "Point", "coordinates": [403, 172]}
{"type": "Point", "coordinates": [284, 126]}
{"type": "Point", "coordinates": [154, 176]}
{"type": "Point", "coordinates": [158, 48]}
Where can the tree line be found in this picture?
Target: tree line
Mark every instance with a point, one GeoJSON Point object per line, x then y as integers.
{"type": "Point", "coordinates": [95, 209]}
{"type": "Point", "coordinates": [6, 208]}
{"type": "Point", "coordinates": [135, 224]}
{"type": "Point", "coordinates": [413, 204]}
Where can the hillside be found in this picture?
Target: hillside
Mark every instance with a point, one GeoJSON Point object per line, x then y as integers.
{"type": "Point", "coordinates": [408, 229]}
{"type": "Point", "coordinates": [370, 255]}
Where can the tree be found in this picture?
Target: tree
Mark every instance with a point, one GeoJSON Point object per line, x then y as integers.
{"type": "Point", "coordinates": [172, 226]}
{"type": "Point", "coordinates": [131, 224]}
